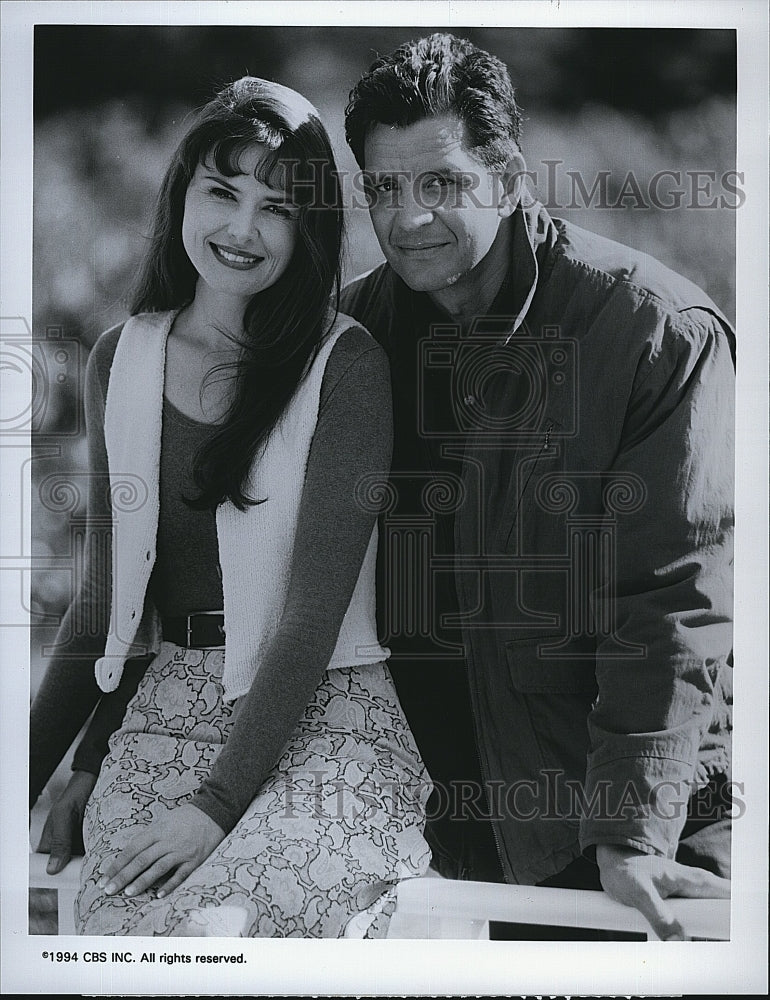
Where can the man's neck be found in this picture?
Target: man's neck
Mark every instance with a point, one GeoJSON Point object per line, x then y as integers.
{"type": "Point", "coordinates": [475, 292]}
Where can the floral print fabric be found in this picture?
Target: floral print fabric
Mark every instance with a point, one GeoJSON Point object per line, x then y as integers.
{"type": "Point", "coordinates": [321, 848]}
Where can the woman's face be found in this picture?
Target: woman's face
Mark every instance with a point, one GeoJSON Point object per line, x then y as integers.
{"type": "Point", "coordinates": [239, 233]}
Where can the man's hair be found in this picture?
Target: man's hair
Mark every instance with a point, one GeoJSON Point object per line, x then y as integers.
{"type": "Point", "coordinates": [438, 75]}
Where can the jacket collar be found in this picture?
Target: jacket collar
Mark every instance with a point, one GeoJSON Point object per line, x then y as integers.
{"type": "Point", "coordinates": [533, 235]}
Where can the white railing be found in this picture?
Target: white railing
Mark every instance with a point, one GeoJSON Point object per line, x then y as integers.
{"type": "Point", "coordinates": [444, 908]}
{"type": "Point", "coordinates": [434, 907]}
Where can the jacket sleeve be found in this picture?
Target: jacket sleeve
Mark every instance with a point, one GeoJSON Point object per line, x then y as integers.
{"type": "Point", "coordinates": [668, 593]}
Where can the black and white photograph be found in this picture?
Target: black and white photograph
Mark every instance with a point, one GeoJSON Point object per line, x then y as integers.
{"type": "Point", "coordinates": [384, 514]}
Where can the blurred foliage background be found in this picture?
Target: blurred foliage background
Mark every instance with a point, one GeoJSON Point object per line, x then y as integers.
{"type": "Point", "coordinates": [110, 105]}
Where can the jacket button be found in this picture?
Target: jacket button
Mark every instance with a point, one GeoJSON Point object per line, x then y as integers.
{"type": "Point", "coordinates": [469, 400]}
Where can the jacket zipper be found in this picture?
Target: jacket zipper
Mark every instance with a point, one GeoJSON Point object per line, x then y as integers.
{"type": "Point", "coordinates": [482, 770]}
{"type": "Point", "coordinates": [545, 447]}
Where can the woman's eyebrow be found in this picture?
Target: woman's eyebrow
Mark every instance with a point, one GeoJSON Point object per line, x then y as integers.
{"type": "Point", "coordinates": [220, 179]}
{"type": "Point", "coordinates": [279, 198]}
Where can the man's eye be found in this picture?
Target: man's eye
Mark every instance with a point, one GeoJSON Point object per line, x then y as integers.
{"type": "Point", "coordinates": [436, 181]}
{"type": "Point", "coordinates": [385, 187]}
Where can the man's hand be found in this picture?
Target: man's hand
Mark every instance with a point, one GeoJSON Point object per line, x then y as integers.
{"type": "Point", "coordinates": [645, 880]}
{"type": "Point", "coordinates": [63, 831]}
{"type": "Point", "coordinates": [178, 842]}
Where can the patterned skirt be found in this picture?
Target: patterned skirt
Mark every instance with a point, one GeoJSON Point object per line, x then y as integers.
{"type": "Point", "coordinates": [320, 850]}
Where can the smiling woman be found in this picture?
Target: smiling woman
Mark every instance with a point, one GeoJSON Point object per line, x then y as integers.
{"type": "Point", "coordinates": [256, 735]}
{"type": "Point", "coordinates": [238, 224]}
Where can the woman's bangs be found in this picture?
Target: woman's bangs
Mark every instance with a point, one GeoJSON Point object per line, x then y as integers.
{"type": "Point", "coordinates": [226, 153]}
{"type": "Point", "coordinates": [289, 169]}
{"type": "Point", "coordinates": [274, 168]}
{"type": "Point", "coordinates": [293, 162]}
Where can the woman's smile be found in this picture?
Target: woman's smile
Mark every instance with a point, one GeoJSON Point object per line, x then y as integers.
{"type": "Point", "coordinates": [239, 259]}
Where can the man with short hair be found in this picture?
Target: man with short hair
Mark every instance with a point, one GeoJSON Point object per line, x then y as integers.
{"type": "Point", "coordinates": [555, 559]}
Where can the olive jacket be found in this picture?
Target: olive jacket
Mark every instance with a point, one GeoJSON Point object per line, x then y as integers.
{"type": "Point", "coordinates": [593, 558]}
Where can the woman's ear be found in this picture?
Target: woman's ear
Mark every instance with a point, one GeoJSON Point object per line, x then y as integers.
{"type": "Point", "coordinates": [512, 180]}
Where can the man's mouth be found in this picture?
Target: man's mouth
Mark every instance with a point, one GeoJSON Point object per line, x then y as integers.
{"type": "Point", "coordinates": [419, 248]}
{"type": "Point", "coordinates": [238, 259]}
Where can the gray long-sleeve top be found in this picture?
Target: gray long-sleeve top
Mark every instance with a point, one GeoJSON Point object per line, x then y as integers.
{"type": "Point", "coordinates": [352, 439]}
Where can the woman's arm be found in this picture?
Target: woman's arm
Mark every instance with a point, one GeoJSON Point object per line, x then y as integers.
{"type": "Point", "coordinates": [353, 438]}
{"type": "Point", "coordinates": [68, 691]}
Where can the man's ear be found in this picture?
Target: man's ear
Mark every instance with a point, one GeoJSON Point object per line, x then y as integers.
{"type": "Point", "coordinates": [512, 180]}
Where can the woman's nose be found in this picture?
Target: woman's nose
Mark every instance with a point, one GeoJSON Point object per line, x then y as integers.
{"type": "Point", "coordinates": [243, 224]}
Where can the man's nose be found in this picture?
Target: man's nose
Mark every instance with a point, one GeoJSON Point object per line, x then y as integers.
{"type": "Point", "coordinates": [413, 214]}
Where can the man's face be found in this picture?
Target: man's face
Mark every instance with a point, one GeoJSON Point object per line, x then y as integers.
{"type": "Point", "coordinates": [434, 206]}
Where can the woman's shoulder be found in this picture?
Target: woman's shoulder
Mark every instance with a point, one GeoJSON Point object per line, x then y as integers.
{"type": "Point", "coordinates": [356, 358]}
{"type": "Point", "coordinates": [353, 339]}
{"type": "Point", "coordinates": [103, 352]}
{"type": "Point", "coordinates": [354, 344]}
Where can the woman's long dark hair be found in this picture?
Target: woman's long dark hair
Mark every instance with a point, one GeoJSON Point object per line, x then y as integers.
{"type": "Point", "coordinates": [284, 325]}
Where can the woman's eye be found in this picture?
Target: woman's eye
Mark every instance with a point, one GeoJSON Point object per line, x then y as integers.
{"type": "Point", "coordinates": [436, 181]}
{"type": "Point", "coordinates": [223, 193]}
{"type": "Point", "coordinates": [283, 212]}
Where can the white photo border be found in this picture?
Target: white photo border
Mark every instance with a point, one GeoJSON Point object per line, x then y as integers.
{"type": "Point", "coordinates": [427, 967]}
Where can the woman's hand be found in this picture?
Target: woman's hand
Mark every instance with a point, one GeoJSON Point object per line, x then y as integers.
{"type": "Point", "coordinates": [176, 843]}
{"type": "Point", "coordinates": [62, 834]}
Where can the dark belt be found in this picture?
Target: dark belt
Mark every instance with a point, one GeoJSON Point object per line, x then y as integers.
{"type": "Point", "coordinates": [202, 630]}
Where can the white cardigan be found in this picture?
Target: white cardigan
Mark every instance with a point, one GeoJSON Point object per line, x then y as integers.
{"type": "Point", "coordinates": [255, 546]}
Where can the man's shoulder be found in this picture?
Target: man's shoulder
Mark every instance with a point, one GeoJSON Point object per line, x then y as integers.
{"type": "Point", "coordinates": [369, 298]}
{"type": "Point", "coordinates": [615, 266]}
{"type": "Point", "coordinates": [375, 277]}
{"type": "Point", "coordinates": [375, 300]}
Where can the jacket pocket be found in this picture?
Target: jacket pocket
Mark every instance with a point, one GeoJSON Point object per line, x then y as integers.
{"type": "Point", "coordinates": [548, 664]}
